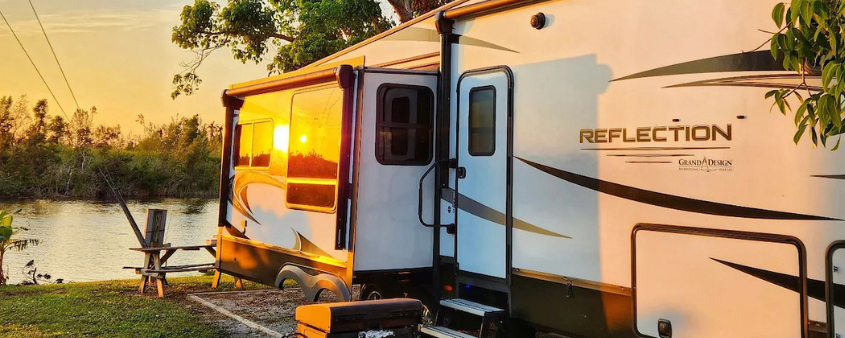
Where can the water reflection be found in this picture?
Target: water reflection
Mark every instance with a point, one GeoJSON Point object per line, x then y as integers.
{"type": "Point", "coordinates": [90, 240]}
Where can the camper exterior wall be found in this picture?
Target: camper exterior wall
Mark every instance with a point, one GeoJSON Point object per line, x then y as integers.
{"type": "Point", "coordinates": [586, 70]}
{"type": "Point", "coordinates": [719, 210]}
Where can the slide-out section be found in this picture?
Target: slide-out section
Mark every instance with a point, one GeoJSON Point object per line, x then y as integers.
{"type": "Point", "coordinates": [708, 283]}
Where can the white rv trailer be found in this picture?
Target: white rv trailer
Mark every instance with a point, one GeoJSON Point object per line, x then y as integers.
{"type": "Point", "coordinates": [599, 168]}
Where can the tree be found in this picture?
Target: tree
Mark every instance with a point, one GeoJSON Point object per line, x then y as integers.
{"type": "Point", "coordinates": [301, 32]}
{"type": "Point", "coordinates": [409, 9]}
{"type": "Point", "coordinates": [81, 125]}
{"type": "Point", "coordinates": [37, 132]}
{"type": "Point", "coordinates": [7, 243]}
{"type": "Point", "coordinates": [58, 130]}
{"type": "Point", "coordinates": [298, 32]}
{"type": "Point", "coordinates": [811, 41]}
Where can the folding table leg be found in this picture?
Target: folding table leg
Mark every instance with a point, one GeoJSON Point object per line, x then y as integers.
{"type": "Point", "coordinates": [143, 283]}
{"type": "Point", "coordinates": [160, 277]}
{"type": "Point", "coordinates": [160, 286]}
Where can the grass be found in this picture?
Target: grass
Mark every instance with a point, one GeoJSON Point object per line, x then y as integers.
{"type": "Point", "coordinates": [106, 309]}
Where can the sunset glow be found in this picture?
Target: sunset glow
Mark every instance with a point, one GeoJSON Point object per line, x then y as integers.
{"type": "Point", "coordinates": [280, 138]}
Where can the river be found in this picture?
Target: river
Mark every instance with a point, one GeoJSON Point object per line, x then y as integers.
{"type": "Point", "coordinates": [90, 240]}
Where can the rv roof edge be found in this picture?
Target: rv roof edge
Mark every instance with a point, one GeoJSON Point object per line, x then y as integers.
{"type": "Point", "coordinates": [486, 7]}
{"type": "Point", "coordinates": [273, 85]}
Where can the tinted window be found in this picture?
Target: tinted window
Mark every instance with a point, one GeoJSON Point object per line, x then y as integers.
{"type": "Point", "coordinates": [314, 149]}
{"type": "Point", "coordinates": [244, 145]}
{"type": "Point", "coordinates": [482, 121]}
{"type": "Point", "coordinates": [262, 144]}
{"type": "Point", "coordinates": [254, 144]}
{"type": "Point", "coordinates": [404, 125]}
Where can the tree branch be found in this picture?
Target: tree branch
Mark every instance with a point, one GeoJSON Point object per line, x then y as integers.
{"type": "Point", "coordinates": [274, 35]}
{"type": "Point", "coordinates": [403, 9]}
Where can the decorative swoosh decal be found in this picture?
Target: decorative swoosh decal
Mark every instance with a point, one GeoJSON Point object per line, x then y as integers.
{"type": "Point", "coordinates": [482, 211]}
{"type": "Point", "coordinates": [760, 81]}
{"type": "Point", "coordinates": [671, 201]}
{"type": "Point", "coordinates": [815, 288]}
{"type": "Point", "coordinates": [304, 245]}
{"type": "Point", "coordinates": [742, 62]}
{"type": "Point", "coordinates": [241, 185]}
{"type": "Point", "coordinates": [835, 177]}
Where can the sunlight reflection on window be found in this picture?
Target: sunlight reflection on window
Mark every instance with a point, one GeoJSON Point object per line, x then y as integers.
{"type": "Point", "coordinates": [280, 140]}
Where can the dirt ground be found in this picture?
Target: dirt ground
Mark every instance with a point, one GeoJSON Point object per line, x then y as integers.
{"type": "Point", "coordinates": [271, 308]}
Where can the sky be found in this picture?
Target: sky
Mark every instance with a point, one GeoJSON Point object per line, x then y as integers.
{"type": "Point", "coordinates": [117, 56]}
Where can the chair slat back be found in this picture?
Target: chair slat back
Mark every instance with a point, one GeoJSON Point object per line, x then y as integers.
{"type": "Point", "coordinates": [154, 234]}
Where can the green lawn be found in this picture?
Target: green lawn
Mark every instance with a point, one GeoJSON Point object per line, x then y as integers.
{"type": "Point", "coordinates": [106, 309]}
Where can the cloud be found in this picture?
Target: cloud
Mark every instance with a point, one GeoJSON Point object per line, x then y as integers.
{"type": "Point", "coordinates": [79, 22]}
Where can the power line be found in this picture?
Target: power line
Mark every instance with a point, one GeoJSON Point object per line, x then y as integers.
{"type": "Point", "coordinates": [54, 54]}
{"type": "Point", "coordinates": [33, 64]}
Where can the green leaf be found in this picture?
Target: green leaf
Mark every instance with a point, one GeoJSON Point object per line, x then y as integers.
{"type": "Point", "coordinates": [807, 12]}
{"type": "Point", "coordinates": [794, 11]}
{"type": "Point", "coordinates": [774, 47]}
{"type": "Point", "coordinates": [781, 105]}
{"type": "Point", "coordinates": [6, 221]}
{"type": "Point", "coordinates": [828, 72]}
{"type": "Point", "coordinates": [777, 14]}
{"type": "Point", "coordinates": [799, 133]}
{"type": "Point", "coordinates": [771, 93]}
{"type": "Point", "coordinates": [815, 136]}
{"type": "Point", "coordinates": [837, 144]}
{"type": "Point", "coordinates": [5, 234]}
{"type": "Point", "coordinates": [799, 115]}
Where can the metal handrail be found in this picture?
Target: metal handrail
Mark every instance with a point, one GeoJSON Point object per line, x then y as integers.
{"type": "Point", "coordinates": [420, 196]}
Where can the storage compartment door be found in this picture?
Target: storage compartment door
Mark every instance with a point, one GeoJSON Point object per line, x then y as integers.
{"type": "Point", "coordinates": [709, 283]}
{"type": "Point", "coordinates": [836, 288]}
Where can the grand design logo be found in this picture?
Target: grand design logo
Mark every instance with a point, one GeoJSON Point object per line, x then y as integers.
{"type": "Point", "coordinates": [705, 164]}
{"type": "Point", "coordinates": [700, 133]}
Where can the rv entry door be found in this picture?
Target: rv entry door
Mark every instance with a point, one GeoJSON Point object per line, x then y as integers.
{"type": "Point", "coordinates": [483, 152]}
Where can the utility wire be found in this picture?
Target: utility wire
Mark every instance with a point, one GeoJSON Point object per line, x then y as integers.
{"type": "Point", "coordinates": [54, 54]}
{"type": "Point", "coordinates": [33, 64]}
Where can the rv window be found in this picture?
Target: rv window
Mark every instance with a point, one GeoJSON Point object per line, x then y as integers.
{"type": "Point", "coordinates": [404, 125]}
{"type": "Point", "coordinates": [314, 144]}
{"type": "Point", "coordinates": [244, 145]}
{"type": "Point", "coordinates": [482, 121]}
{"type": "Point", "coordinates": [262, 143]}
{"type": "Point", "coordinates": [254, 144]}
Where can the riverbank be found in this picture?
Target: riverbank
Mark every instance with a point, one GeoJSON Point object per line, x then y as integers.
{"type": "Point", "coordinates": [108, 309]}
{"type": "Point", "coordinates": [98, 234]}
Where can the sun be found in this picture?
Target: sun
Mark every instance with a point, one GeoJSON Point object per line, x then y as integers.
{"type": "Point", "coordinates": [303, 139]}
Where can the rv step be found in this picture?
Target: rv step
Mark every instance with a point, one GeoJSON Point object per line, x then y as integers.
{"type": "Point", "coordinates": [442, 332]}
{"type": "Point", "coordinates": [474, 308]}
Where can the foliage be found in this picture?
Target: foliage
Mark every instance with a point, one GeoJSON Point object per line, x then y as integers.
{"type": "Point", "coordinates": [811, 41]}
{"type": "Point", "coordinates": [8, 243]}
{"type": "Point", "coordinates": [298, 32]}
{"type": "Point", "coordinates": [51, 157]}
{"type": "Point", "coordinates": [106, 309]}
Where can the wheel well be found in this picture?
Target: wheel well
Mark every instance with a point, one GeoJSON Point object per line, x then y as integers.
{"type": "Point", "coordinates": [313, 282]}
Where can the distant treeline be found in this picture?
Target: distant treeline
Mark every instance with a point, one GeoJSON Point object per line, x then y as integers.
{"type": "Point", "coordinates": [46, 155]}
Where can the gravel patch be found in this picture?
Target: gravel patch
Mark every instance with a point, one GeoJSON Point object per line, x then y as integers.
{"type": "Point", "coordinates": [272, 308]}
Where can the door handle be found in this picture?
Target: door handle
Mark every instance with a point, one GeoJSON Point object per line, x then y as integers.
{"type": "Point", "coordinates": [462, 172]}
